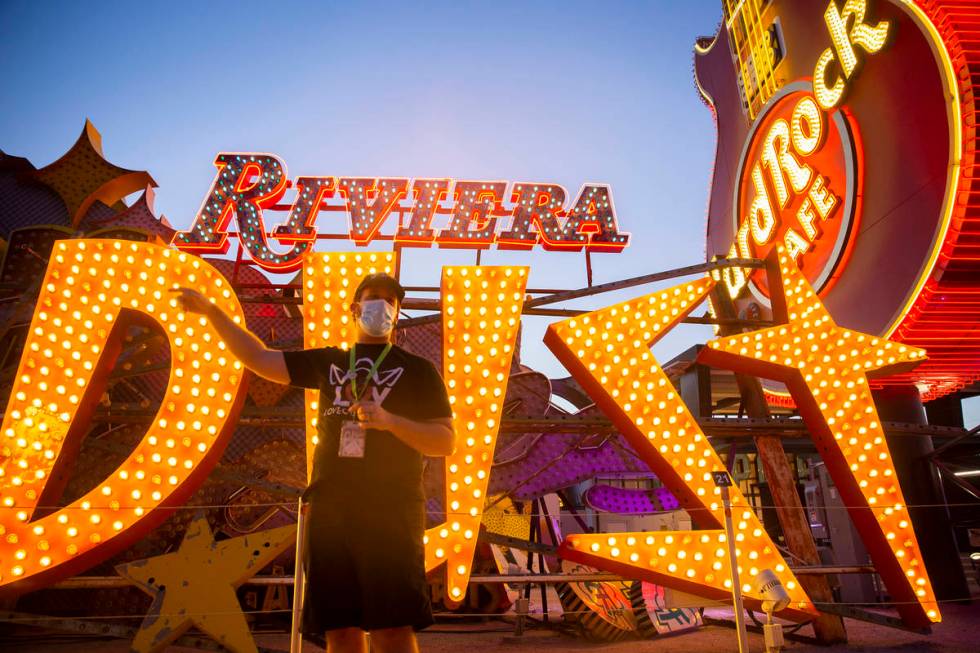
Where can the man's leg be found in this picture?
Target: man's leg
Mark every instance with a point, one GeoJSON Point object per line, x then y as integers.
{"type": "Point", "coordinates": [394, 640]}
{"type": "Point", "coordinates": [346, 640]}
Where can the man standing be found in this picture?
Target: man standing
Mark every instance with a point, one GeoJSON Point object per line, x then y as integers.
{"type": "Point", "coordinates": [380, 410]}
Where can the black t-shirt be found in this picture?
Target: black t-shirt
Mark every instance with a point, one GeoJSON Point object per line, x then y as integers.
{"type": "Point", "coordinates": [405, 384]}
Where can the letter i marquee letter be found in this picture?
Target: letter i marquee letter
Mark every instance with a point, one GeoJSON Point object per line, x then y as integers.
{"type": "Point", "coordinates": [79, 319]}
{"type": "Point", "coordinates": [481, 310]}
{"type": "Point", "coordinates": [329, 281]}
{"type": "Point", "coordinates": [608, 353]}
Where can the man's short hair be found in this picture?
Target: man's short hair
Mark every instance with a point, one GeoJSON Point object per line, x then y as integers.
{"type": "Point", "coordinates": [380, 280]}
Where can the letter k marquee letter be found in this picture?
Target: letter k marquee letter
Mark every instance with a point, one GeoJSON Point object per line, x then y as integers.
{"type": "Point", "coordinates": [608, 353]}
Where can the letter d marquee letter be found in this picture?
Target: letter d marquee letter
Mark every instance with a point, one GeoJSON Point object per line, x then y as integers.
{"type": "Point", "coordinates": [72, 343]}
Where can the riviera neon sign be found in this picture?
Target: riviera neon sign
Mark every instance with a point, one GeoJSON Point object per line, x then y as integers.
{"type": "Point", "coordinates": [247, 184]}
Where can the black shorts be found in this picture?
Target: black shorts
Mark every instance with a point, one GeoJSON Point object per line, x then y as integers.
{"type": "Point", "coordinates": [365, 567]}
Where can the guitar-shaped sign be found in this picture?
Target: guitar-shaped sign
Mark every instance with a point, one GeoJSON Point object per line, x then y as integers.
{"type": "Point", "coordinates": [846, 134]}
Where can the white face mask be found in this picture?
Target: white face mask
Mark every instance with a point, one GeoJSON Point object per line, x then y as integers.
{"type": "Point", "coordinates": [377, 317]}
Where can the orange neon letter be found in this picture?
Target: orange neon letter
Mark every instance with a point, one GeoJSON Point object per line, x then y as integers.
{"type": "Point", "coordinates": [608, 353]}
{"type": "Point", "coordinates": [481, 312]}
{"type": "Point", "coordinates": [481, 308]}
{"type": "Point", "coordinates": [329, 280]}
{"type": "Point", "coordinates": [244, 186]}
{"type": "Point", "coordinates": [91, 290]}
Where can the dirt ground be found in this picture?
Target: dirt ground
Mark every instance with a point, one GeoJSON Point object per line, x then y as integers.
{"type": "Point", "coordinates": [958, 633]}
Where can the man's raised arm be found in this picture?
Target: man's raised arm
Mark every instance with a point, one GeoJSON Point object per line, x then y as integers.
{"type": "Point", "coordinates": [267, 363]}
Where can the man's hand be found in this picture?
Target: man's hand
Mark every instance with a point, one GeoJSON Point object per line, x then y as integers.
{"type": "Point", "coordinates": [433, 437]}
{"type": "Point", "coordinates": [252, 352]}
{"type": "Point", "coordinates": [192, 301]}
{"type": "Point", "coordinates": [372, 416]}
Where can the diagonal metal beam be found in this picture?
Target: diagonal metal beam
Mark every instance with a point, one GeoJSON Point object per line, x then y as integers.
{"type": "Point", "coordinates": [686, 271]}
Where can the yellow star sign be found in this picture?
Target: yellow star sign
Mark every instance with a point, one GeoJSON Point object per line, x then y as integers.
{"type": "Point", "coordinates": [195, 586]}
{"type": "Point", "coordinates": [608, 353]}
{"type": "Point", "coordinates": [826, 368]}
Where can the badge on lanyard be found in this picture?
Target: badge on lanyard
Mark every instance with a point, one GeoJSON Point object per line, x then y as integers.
{"type": "Point", "coordinates": [352, 440]}
{"type": "Point", "coordinates": [353, 435]}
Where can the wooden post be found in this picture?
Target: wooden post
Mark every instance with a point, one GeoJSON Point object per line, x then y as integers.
{"type": "Point", "coordinates": [828, 628]}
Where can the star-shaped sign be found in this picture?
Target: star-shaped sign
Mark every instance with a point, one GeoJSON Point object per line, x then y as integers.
{"type": "Point", "coordinates": [195, 586]}
{"type": "Point", "coordinates": [826, 368]}
{"type": "Point", "coordinates": [608, 353]}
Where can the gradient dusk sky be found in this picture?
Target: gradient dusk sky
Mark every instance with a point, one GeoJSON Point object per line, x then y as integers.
{"type": "Point", "coordinates": [566, 92]}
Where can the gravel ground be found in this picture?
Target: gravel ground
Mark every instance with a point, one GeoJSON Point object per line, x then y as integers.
{"type": "Point", "coordinates": [958, 633]}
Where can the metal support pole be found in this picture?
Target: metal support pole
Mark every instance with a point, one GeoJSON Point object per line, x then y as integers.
{"type": "Point", "coordinates": [299, 581]}
{"type": "Point", "coordinates": [724, 481]}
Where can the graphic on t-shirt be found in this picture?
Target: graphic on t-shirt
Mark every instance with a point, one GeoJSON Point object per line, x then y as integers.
{"type": "Point", "coordinates": [380, 383]}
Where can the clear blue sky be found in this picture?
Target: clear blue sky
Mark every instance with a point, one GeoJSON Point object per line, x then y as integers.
{"type": "Point", "coordinates": [568, 92]}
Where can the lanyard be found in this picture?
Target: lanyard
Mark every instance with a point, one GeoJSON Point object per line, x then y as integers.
{"type": "Point", "coordinates": [374, 369]}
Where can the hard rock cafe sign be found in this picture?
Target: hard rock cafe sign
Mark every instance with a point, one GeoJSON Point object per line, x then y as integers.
{"type": "Point", "coordinates": [845, 136]}
{"type": "Point", "coordinates": [808, 160]}
{"type": "Point", "coordinates": [799, 172]}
